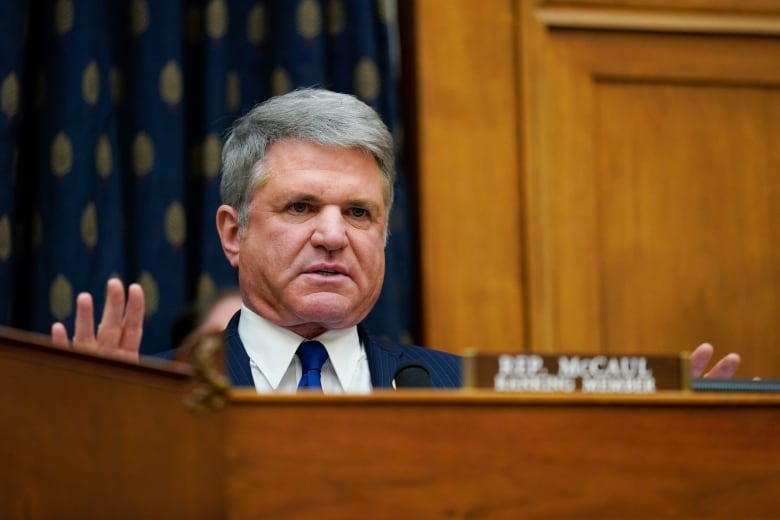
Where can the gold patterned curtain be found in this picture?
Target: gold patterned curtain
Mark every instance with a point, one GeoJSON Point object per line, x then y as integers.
{"type": "Point", "coordinates": [111, 120]}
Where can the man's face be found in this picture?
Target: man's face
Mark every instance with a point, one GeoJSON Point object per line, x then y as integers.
{"type": "Point", "coordinates": [312, 256]}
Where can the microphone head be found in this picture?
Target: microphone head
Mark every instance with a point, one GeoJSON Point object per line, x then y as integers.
{"type": "Point", "coordinates": [412, 374]}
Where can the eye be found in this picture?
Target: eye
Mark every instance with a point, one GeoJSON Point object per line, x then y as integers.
{"type": "Point", "coordinates": [360, 213]}
{"type": "Point", "coordinates": [299, 207]}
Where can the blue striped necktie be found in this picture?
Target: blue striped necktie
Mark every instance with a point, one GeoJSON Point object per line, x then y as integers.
{"type": "Point", "coordinates": [312, 355]}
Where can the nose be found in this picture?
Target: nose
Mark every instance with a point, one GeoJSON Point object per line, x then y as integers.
{"type": "Point", "coordinates": [330, 231]}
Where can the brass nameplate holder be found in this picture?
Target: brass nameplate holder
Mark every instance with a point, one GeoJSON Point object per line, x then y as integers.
{"type": "Point", "coordinates": [582, 373]}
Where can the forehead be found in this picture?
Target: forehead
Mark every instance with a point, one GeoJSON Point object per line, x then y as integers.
{"type": "Point", "coordinates": [294, 153]}
{"type": "Point", "coordinates": [299, 164]}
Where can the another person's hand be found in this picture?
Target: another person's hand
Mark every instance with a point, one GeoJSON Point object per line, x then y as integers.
{"type": "Point", "coordinates": [723, 369]}
{"type": "Point", "coordinates": [121, 327]}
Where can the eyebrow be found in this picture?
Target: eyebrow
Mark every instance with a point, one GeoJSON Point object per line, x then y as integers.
{"type": "Point", "coordinates": [303, 197]}
{"type": "Point", "coordinates": [308, 197]}
{"type": "Point", "coordinates": [363, 203]}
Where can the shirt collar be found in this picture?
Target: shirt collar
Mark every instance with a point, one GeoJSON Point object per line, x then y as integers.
{"type": "Point", "coordinates": [272, 348]}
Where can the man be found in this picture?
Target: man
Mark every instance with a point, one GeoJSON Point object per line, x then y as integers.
{"type": "Point", "coordinates": [307, 190]}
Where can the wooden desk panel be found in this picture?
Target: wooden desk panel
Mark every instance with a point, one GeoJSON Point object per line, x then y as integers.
{"type": "Point", "coordinates": [84, 437]}
{"type": "Point", "coordinates": [500, 456]}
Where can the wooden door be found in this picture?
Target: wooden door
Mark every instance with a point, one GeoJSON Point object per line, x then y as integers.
{"type": "Point", "coordinates": [653, 184]}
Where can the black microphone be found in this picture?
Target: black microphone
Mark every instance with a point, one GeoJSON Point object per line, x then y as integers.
{"type": "Point", "coordinates": [412, 375]}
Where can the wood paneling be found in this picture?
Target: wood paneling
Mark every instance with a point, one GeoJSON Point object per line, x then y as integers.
{"type": "Point", "coordinates": [468, 163]}
{"type": "Point", "coordinates": [493, 456]}
{"type": "Point", "coordinates": [643, 188]}
{"type": "Point", "coordinates": [689, 198]}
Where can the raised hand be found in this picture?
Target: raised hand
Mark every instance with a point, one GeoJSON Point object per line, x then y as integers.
{"type": "Point", "coordinates": [723, 369]}
{"type": "Point", "coordinates": [120, 329]}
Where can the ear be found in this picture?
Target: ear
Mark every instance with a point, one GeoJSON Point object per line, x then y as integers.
{"type": "Point", "coordinates": [227, 227]}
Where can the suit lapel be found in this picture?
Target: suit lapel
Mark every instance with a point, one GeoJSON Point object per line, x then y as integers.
{"type": "Point", "coordinates": [382, 360]}
{"type": "Point", "coordinates": [236, 358]}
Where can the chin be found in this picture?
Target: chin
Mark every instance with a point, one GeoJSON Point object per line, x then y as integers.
{"type": "Point", "coordinates": [330, 312]}
{"type": "Point", "coordinates": [329, 315]}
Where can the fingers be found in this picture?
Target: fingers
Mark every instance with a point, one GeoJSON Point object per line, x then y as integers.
{"type": "Point", "coordinates": [110, 330]}
{"type": "Point", "coordinates": [700, 358]}
{"type": "Point", "coordinates": [121, 326]}
{"type": "Point", "coordinates": [59, 335]}
{"type": "Point", "coordinates": [725, 368]}
{"type": "Point", "coordinates": [84, 327]}
{"type": "Point", "coordinates": [133, 321]}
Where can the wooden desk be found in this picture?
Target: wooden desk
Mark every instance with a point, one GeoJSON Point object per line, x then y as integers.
{"type": "Point", "coordinates": [84, 437]}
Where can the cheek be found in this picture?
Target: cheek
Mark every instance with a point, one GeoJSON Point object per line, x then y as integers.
{"type": "Point", "coordinates": [269, 244]}
{"type": "Point", "coordinates": [259, 259]}
{"type": "Point", "coordinates": [372, 258]}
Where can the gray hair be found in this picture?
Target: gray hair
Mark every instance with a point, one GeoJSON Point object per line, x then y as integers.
{"type": "Point", "coordinates": [315, 115]}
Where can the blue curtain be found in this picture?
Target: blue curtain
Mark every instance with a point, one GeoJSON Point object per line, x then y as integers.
{"type": "Point", "coordinates": [111, 123]}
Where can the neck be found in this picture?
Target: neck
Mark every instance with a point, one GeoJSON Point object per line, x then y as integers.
{"type": "Point", "coordinates": [307, 330]}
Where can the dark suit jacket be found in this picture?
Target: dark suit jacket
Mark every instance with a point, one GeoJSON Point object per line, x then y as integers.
{"type": "Point", "coordinates": [384, 357]}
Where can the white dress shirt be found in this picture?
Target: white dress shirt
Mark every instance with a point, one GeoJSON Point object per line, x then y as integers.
{"type": "Point", "coordinates": [276, 368]}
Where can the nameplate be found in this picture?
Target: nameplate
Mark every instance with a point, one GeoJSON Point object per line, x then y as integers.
{"type": "Point", "coordinates": [570, 373]}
